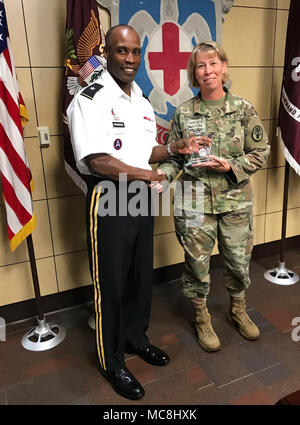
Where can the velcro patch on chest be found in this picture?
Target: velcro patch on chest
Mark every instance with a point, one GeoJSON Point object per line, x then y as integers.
{"type": "Point", "coordinates": [90, 91]}
{"type": "Point", "coordinates": [118, 124]}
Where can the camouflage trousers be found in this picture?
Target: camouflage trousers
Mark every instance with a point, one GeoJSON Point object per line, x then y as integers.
{"type": "Point", "coordinates": [234, 233]}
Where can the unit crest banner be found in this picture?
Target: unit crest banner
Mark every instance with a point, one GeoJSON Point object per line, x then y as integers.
{"type": "Point", "coordinates": [289, 108]}
{"type": "Point", "coordinates": [168, 30]}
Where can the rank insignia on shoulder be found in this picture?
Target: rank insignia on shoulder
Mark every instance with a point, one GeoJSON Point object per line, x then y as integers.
{"type": "Point", "coordinates": [90, 91]}
{"type": "Point", "coordinates": [257, 133]}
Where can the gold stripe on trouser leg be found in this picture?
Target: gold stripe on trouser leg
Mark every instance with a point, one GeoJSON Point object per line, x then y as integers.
{"type": "Point", "coordinates": [94, 243]}
{"type": "Point", "coordinates": [93, 265]}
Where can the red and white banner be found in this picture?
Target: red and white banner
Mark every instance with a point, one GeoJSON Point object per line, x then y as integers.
{"type": "Point", "coordinates": [289, 111]}
{"type": "Point", "coordinates": [16, 177]}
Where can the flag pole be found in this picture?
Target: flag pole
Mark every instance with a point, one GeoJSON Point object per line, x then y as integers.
{"type": "Point", "coordinates": [284, 212]}
{"type": "Point", "coordinates": [16, 179]}
{"type": "Point", "coordinates": [44, 336]}
{"type": "Point", "coordinates": [287, 130]}
{"type": "Point", "coordinates": [35, 278]}
{"type": "Point", "coordinates": [281, 275]}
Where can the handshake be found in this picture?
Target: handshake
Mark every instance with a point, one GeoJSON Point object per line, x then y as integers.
{"type": "Point", "coordinates": [159, 181]}
{"type": "Point", "coordinates": [197, 147]}
{"type": "Point", "coordinates": [199, 150]}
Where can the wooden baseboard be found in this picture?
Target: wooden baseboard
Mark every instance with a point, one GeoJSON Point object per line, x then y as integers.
{"type": "Point", "coordinates": [26, 309]}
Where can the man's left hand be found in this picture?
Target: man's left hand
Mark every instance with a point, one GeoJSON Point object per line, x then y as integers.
{"type": "Point", "coordinates": [186, 146]}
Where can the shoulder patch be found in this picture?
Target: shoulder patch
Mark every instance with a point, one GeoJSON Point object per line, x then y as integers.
{"type": "Point", "coordinates": [257, 133]}
{"type": "Point", "coordinates": [91, 90]}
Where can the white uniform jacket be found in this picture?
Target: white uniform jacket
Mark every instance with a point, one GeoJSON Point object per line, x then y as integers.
{"type": "Point", "coordinates": [103, 119]}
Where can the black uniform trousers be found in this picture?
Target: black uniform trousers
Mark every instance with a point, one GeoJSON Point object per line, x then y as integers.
{"type": "Point", "coordinates": [121, 263]}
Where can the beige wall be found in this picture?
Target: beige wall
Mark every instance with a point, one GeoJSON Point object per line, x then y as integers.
{"type": "Point", "coordinates": [254, 37]}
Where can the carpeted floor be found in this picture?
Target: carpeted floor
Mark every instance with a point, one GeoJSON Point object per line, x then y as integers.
{"type": "Point", "coordinates": [242, 372]}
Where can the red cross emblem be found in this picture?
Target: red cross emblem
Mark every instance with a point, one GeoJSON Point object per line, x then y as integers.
{"type": "Point", "coordinates": [170, 60]}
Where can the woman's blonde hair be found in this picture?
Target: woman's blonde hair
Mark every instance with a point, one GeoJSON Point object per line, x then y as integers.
{"type": "Point", "coordinates": [210, 47]}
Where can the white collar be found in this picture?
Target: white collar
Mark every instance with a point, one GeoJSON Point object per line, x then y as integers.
{"type": "Point", "coordinates": [116, 91]}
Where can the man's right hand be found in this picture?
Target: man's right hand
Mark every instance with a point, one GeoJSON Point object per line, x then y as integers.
{"type": "Point", "coordinates": [157, 176]}
{"type": "Point", "coordinates": [160, 184]}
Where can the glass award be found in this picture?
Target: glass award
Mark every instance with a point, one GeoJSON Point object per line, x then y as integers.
{"type": "Point", "coordinates": [197, 128]}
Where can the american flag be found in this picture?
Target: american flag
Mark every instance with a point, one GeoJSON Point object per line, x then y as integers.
{"type": "Point", "coordinates": [16, 177]}
{"type": "Point", "coordinates": [89, 67]}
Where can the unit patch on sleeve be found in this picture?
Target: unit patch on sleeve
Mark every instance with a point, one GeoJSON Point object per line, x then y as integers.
{"type": "Point", "coordinates": [257, 133]}
{"type": "Point", "coordinates": [90, 91]}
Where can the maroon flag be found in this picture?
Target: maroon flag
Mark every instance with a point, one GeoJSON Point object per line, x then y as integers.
{"type": "Point", "coordinates": [84, 38]}
{"type": "Point", "coordinates": [289, 111]}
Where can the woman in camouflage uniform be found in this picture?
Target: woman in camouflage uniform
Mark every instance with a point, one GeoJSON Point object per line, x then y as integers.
{"type": "Point", "coordinates": [239, 147]}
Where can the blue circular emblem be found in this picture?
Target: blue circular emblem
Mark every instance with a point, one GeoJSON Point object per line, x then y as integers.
{"type": "Point", "coordinates": [118, 144]}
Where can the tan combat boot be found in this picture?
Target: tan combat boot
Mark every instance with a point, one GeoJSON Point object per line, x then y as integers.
{"type": "Point", "coordinates": [207, 337]}
{"type": "Point", "coordinates": [239, 318]}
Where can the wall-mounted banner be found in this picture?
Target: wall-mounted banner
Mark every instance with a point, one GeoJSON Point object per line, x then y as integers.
{"type": "Point", "coordinates": [168, 30]}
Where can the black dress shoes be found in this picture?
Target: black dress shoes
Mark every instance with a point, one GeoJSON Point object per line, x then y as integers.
{"type": "Point", "coordinates": [124, 383]}
{"type": "Point", "coordinates": [153, 355]}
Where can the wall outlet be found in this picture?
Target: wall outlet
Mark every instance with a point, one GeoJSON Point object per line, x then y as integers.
{"type": "Point", "coordinates": [44, 136]}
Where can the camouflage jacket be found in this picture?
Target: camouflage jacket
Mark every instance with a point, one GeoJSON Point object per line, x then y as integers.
{"type": "Point", "coordinates": [238, 136]}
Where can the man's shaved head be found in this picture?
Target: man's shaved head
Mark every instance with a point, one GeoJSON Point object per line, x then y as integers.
{"type": "Point", "coordinates": [111, 31]}
{"type": "Point", "coordinates": [123, 55]}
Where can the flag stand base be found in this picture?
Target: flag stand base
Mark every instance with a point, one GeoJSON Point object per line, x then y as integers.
{"type": "Point", "coordinates": [43, 337]}
{"type": "Point", "coordinates": [281, 275]}
{"type": "Point", "coordinates": [91, 322]}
